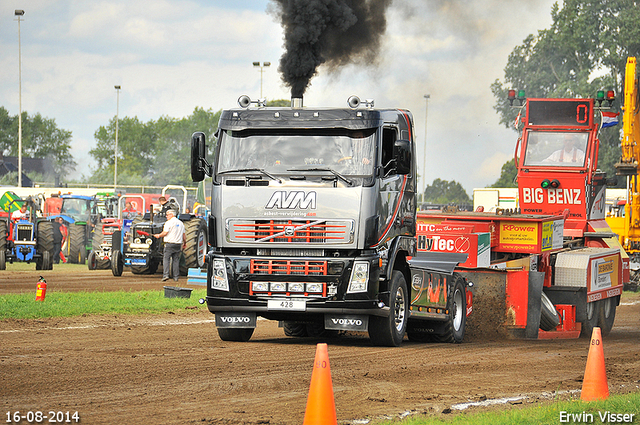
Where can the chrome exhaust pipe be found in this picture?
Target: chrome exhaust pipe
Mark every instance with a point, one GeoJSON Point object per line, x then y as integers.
{"type": "Point", "coordinates": [296, 102]}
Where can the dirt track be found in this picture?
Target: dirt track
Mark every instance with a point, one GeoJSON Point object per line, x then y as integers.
{"type": "Point", "coordinates": [173, 368]}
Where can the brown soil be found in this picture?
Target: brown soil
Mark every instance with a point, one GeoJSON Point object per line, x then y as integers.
{"type": "Point", "coordinates": [173, 368]}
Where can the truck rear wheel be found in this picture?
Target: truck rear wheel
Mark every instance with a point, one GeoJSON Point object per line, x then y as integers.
{"type": "Point", "coordinates": [607, 314]}
{"type": "Point", "coordinates": [457, 306]}
{"type": "Point", "coordinates": [549, 319]}
{"type": "Point", "coordinates": [389, 331]}
{"type": "Point", "coordinates": [593, 313]}
{"type": "Point", "coordinates": [295, 329]}
{"type": "Point", "coordinates": [235, 334]}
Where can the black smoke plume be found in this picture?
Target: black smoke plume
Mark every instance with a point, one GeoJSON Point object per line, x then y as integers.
{"type": "Point", "coordinates": [329, 32]}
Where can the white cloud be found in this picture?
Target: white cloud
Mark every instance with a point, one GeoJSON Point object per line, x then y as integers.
{"type": "Point", "coordinates": [171, 56]}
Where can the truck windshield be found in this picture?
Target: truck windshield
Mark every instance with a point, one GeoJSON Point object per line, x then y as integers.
{"type": "Point", "coordinates": [279, 151]}
{"type": "Point", "coordinates": [555, 149]}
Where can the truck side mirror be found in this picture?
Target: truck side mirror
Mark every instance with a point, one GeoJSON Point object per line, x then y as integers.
{"type": "Point", "coordinates": [402, 156]}
{"type": "Point", "coordinates": [198, 156]}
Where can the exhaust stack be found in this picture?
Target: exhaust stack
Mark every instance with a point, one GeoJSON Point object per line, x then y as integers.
{"type": "Point", "coordinates": [296, 102]}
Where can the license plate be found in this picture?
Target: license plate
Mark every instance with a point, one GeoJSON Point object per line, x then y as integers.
{"type": "Point", "coordinates": [287, 305]}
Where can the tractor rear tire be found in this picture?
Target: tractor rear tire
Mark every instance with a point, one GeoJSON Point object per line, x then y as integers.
{"type": "Point", "coordinates": [3, 259]}
{"type": "Point", "coordinates": [77, 245]}
{"type": "Point", "coordinates": [44, 238]}
{"type": "Point", "coordinates": [197, 243]}
{"type": "Point", "coordinates": [3, 235]}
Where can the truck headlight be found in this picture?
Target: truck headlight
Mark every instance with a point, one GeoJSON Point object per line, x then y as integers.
{"type": "Point", "coordinates": [359, 277]}
{"type": "Point", "coordinates": [219, 279]}
{"type": "Point", "coordinates": [260, 286]}
{"type": "Point", "coordinates": [296, 287]}
{"type": "Point", "coordinates": [315, 288]}
{"type": "Point", "coordinates": [278, 287]}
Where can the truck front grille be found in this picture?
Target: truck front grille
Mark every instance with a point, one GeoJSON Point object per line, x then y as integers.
{"type": "Point", "coordinates": [289, 267]}
{"type": "Point", "coordinates": [291, 231]}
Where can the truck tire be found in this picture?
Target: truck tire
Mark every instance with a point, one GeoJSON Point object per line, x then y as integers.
{"type": "Point", "coordinates": [77, 248]}
{"type": "Point", "coordinates": [389, 331]}
{"type": "Point", "coordinates": [457, 306]}
{"type": "Point", "coordinates": [117, 263]}
{"type": "Point", "coordinates": [295, 329]}
{"type": "Point", "coordinates": [196, 249]}
{"type": "Point", "coordinates": [235, 334]}
{"type": "Point", "coordinates": [607, 314]}
{"type": "Point", "coordinates": [593, 314]}
{"type": "Point", "coordinates": [549, 318]}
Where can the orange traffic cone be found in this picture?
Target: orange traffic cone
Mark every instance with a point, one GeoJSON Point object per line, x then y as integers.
{"type": "Point", "coordinates": [321, 408]}
{"type": "Point", "coordinates": [594, 385]}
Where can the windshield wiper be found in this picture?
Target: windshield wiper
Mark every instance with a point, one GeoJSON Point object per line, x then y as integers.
{"type": "Point", "coordinates": [331, 170]}
{"type": "Point", "coordinates": [244, 170]}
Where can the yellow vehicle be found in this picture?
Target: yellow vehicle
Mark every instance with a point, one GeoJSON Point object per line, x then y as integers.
{"type": "Point", "coordinates": [627, 224]}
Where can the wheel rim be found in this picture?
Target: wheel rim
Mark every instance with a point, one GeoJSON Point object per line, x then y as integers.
{"type": "Point", "coordinates": [457, 310]}
{"type": "Point", "coordinates": [202, 248]}
{"type": "Point", "coordinates": [590, 310]}
{"type": "Point", "coordinates": [607, 307]}
{"type": "Point", "coordinates": [399, 308]}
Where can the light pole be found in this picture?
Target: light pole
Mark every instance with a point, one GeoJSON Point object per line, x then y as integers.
{"type": "Point", "coordinates": [19, 13]}
{"type": "Point", "coordinates": [424, 159]}
{"type": "Point", "coordinates": [115, 153]}
{"type": "Point", "coordinates": [264, 65]}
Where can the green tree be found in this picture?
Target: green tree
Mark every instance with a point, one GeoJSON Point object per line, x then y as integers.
{"type": "Point", "coordinates": [41, 138]}
{"type": "Point", "coordinates": [584, 50]}
{"type": "Point", "coordinates": [507, 175]}
{"type": "Point", "coordinates": [152, 153]}
{"type": "Point", "coordinates": [446, 192]}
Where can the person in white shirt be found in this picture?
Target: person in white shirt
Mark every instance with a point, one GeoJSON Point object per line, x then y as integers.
{"type": "Point", "coordinates": [21, 214]}
{"type": "Point", "coordinates": [174, 240]}
{"type": "Point", "coordinates": [569, 153]}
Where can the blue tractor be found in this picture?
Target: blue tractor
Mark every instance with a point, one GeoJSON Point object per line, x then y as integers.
{"type": "Point", "coordinates": [26, 240]}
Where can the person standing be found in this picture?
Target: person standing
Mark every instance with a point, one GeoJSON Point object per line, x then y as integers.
{"type": "Point", "coordinates": [174, 240]}
{"type": "Point", "coordinates": [59, 236]}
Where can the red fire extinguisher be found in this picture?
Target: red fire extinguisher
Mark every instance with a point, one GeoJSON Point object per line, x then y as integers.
{"type": "Point", "coordinates": [41, 289]}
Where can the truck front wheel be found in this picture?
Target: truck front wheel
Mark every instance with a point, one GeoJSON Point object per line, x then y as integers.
{"type": "Point", "coordinates": [235, 334]}
{"type": "Point", "coordinates": [389, 331]}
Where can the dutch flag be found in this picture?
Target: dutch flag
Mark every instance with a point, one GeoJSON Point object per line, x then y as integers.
{"type": "Point", "coordinates": [609, 119]}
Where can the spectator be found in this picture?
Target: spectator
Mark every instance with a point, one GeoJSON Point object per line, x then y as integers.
{"type": "Point", "coordinates": [59, 236]}
{"type": "Point", "coordinates": [174, 240]}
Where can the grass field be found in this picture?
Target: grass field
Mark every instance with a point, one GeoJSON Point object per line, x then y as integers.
{"type": "Point", "coordinates": [612, 410]}
{"type": "Point", "coordinates": [68, 304]}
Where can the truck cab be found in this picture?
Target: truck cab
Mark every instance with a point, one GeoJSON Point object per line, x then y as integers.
{"type": "Point", "coordinates": [312, 219]}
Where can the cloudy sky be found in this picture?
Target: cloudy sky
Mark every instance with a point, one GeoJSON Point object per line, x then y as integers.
{"type": "Point", "coordinates": [171, 56]}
